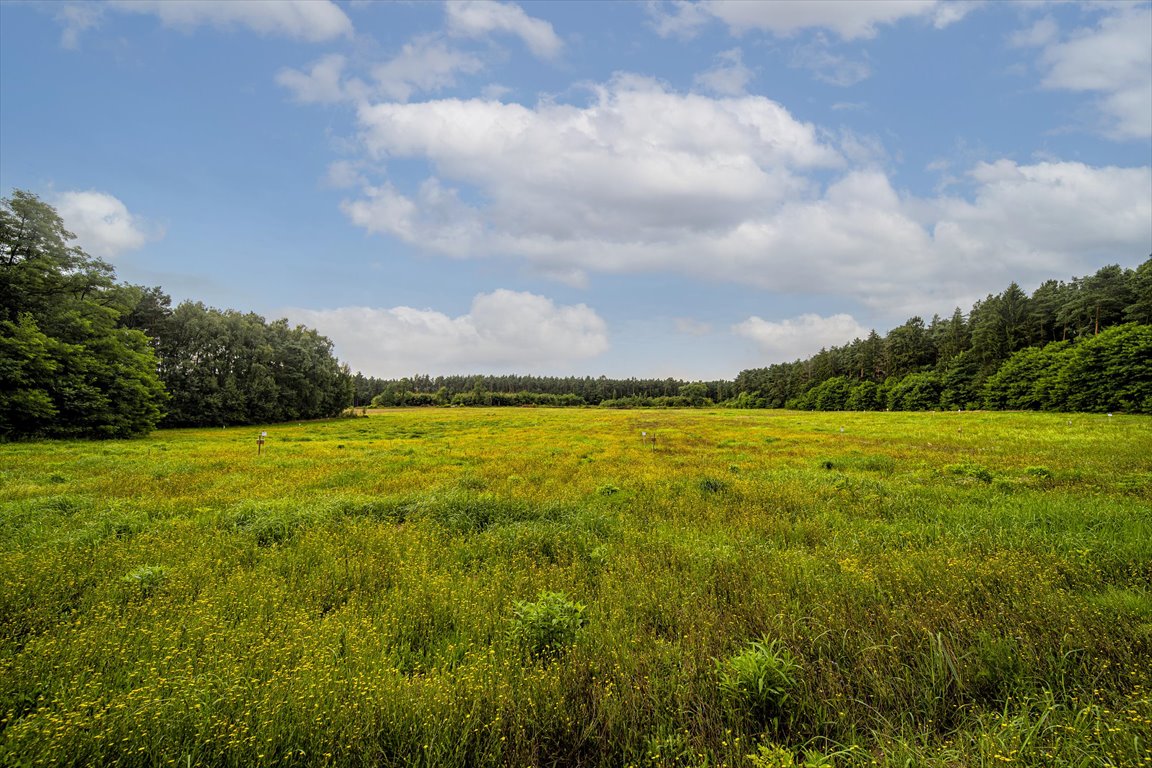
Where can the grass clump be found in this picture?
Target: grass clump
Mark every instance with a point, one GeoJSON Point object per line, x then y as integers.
{"type": "Point", "coordinates": [759, 679]}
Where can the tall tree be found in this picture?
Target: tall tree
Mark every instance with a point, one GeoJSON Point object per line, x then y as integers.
{"type": "Point", "coordinates": [70, 367]}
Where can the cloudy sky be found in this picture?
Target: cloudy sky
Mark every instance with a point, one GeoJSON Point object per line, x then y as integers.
{"type": "Point", "coordinates": [636, 189]}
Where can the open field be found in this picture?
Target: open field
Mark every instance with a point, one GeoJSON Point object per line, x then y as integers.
{"type": "Point", "coordinates": [939, 589]}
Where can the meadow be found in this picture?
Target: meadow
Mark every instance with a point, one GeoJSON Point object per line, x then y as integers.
{"type": "Point", "coordinates": [539, 587]}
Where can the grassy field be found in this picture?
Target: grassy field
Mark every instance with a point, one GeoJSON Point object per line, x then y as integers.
{"type": "Point", "coordinates": [532, 587]}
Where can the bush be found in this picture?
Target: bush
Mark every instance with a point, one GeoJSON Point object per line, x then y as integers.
{"type": "Point", "coordinates": [146, 579]}
{"type": "Point", "coordinates": [759, 679]}
{"type": "Point", "coordinates": [548, 627]}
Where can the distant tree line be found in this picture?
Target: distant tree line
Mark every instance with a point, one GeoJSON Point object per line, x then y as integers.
{"type": "Point", "coordinates": [82, 355]}
{"type": "Point", "coordinates": [1085, 345]}
{"type": "Point", "coordinates": [516, 389]}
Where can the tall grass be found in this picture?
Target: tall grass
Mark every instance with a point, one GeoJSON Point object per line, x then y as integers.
{"type": "Point", "coordinates": [940, 589]}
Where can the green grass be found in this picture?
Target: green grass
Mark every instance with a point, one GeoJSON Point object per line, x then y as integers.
{"type": "Point", "coordinates": [937, 589]}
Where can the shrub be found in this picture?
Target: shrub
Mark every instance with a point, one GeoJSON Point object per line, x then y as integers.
{"type": "Point", "coordinates": [146, 579]}
{"type": "Point", "coordinates": [972, 470]}
{"type": "Point", "coordinates": [759, 678]}
{"type": "Point", "coordinates": [712, 485]}
{"type": "Point", "coordinates": [548, 627]}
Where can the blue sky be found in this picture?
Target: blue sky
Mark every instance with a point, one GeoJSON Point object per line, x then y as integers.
{"type": "Point", "coordinates": [630, 189]}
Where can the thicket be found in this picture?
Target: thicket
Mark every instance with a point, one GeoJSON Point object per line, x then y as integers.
{"type": "Point", "coordinates": [82, 355]}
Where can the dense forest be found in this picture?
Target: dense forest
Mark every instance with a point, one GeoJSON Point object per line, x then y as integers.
{"type": "Point", "coordinates": [82, 355]}
{"type": "Point", "coordinates": [1084, 345]}
{"type": "Point", "coordinates": [537, 390]}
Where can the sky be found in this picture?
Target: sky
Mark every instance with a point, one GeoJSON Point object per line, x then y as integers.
{"type": "Point", "coordinates": [661, 189]}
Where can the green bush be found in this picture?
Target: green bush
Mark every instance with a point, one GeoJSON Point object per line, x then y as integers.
{"type": "Point", "coordinates": [548, 627]}
{"type": "Point", "coordinates": [146, 579]}
{"type": "Point", "coordinates": [759, 679]}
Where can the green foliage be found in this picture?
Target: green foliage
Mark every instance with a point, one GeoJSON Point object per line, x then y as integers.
{"type": "Point", "coordinates": [1109, 372]}
{"type": "Point", "coordinates": [864, 396]}
{"type": "Point", "coordinates": [67, 366]}
{"type": "Point", "coordinates": [547, 627]}
{"type": "Point", "coordinates": [760, 679]}
{"type": "Point", "coordinates": [776, 756]}
{"type": "Point", "coordinates": [1024, 380]}
{"type": "Point", "coordinates": [948, 363]}
{"type": "Point", "coordinates": [146, 580]}
{"type": "Point", "coordinates": [972, 470]}
{"type": "Point", "coordinates": [226, 367]}
{"type": "Point", "coordinates": [915, 392]}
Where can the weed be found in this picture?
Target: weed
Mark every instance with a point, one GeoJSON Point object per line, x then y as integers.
{"type": "Point", "coordinates": [548, 627]}
{"type": "Point", "coordinates": [146, 580]}
{"type": "Point", "coordinates": [971, 470]}
{"type": "Point", "coordinates": [759, 679]}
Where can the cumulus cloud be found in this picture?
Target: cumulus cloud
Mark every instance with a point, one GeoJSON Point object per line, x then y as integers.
{"type": "Point", "coordinates": [319, 85]}
{"type": "Point", "coordinates": [308, 20]}
{"type": "Point", "coordinates": [639, 164]}
{"type": "Point", "coordinates": [1045, 215]}
{"type": "Point", "coordinates": [642, 179]}
{"type": "Point", "coordinates": [1112, 60]}
{"type": "Point", "coordinates": [503, 331]}
{"type": "Point", "coordinates": [102, 224]}
{"type": "Point", "coordinates": [786, 340]}
{"type": "Point", "coordinates": [729, 77]}
{"type": "Point", "coordinates": [426, 63]}
{"type": "Point", "coordinates": [848, 19]}
{"type": "Point", "coordinates": [479, 18]}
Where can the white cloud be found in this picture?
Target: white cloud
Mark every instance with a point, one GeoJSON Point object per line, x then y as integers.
{"type": "Point", "coordinates": [1029, 219]}
{"type": "Point", "coordinates": [503, 331]}
{"type": "Point", "coordinates": [426, 63]}
{"type": "Point", "coordinates": [1042, 32]}
{"type": "Point", "coordinates": [309, 20]}
{"type": "Point", "coordinates": [319, 85]}
{"type": "Point", "coordinates": [102, 224]}
{"type": "Point", "coordinates": [344, 174]}
{"type": "Point", "coordinates": [1113, 60]}
{"type": "Point", "coordinates": [638, 159]}
{"type": "Point", "coordinates": [77, 18]}
{"type": "Point", "coordinates": [827, 66]}
{"type": "Point", "coordinates": [478, 18]}
{"type": "Point", "coordinates": [729, 77]}
{"type": "Point", "coordinates": [849, 19]}
{"type": "Point", "coordinates": [644, 180]}
{"type": "Point", "coordinates": [786, 340]}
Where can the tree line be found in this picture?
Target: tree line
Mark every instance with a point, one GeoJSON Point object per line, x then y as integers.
{"type": "Point", "coordinates": [516, 389]}
{"type": "Point", "coordinates": [82, 355]}
{"type": "Point", "coordinates": [1082, 345]}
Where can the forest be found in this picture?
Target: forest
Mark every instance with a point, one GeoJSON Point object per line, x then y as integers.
{"type": "Point", "coordinates": [82, 355]}
{"type": "Point", "coordinates": [1082, 345]}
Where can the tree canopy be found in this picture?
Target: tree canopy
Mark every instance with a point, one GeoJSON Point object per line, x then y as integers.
{"type": "Point", "coordinates": [82, 355]}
